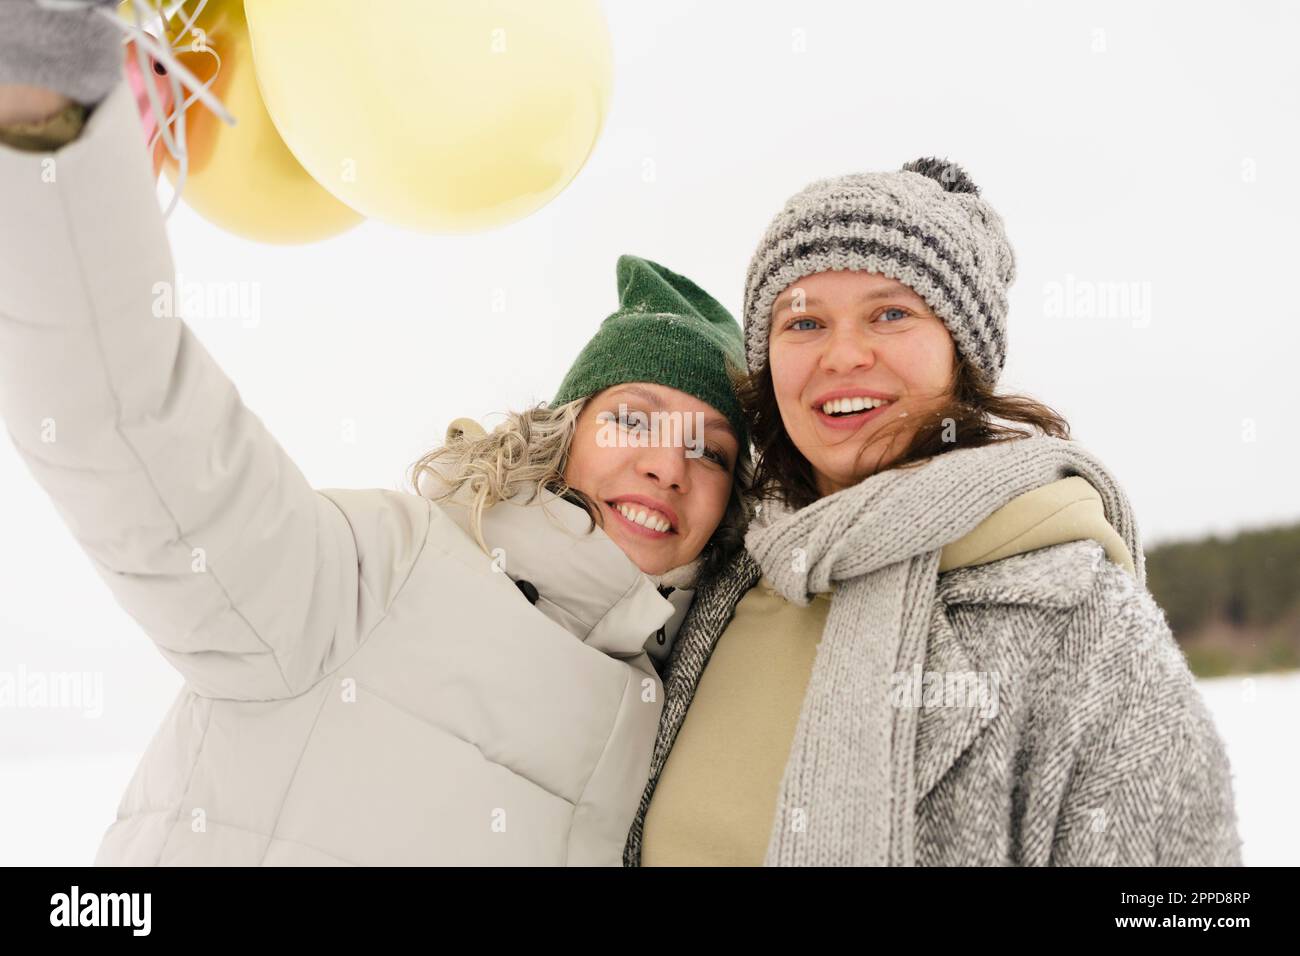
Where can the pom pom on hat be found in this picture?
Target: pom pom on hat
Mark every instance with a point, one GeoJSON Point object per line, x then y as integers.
{"type": "Point", "coordinates": [948, 175]}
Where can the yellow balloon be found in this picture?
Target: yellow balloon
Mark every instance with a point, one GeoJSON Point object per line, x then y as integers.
{"type": "Point", "coordinates": [242, 177]}
{"type": "Point", "coordinates": [437, 115]}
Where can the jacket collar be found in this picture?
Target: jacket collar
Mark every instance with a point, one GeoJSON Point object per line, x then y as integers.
{"type": "Point", "coordinates": [1059, 576]}
{"type": "Point", "coordinates": [583, 581]}
{"type": "Point", "coordinates": [944, 733]}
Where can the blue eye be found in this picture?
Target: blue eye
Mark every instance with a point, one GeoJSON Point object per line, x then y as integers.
{"type": "Point", "coordinates": [903, 313]}
{"type": "Point", "coordinates": [795, 323]}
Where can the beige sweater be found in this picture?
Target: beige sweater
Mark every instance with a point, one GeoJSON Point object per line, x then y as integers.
{"type": "Point", "coordinates": [714, 802]}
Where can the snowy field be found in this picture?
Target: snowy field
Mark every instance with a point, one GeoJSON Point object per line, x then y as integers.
{"type": "Point", "coordinates": [56, 809]}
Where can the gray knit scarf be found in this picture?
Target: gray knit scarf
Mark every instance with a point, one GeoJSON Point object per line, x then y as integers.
{"type": "Point", "coordinates": [876, 546]}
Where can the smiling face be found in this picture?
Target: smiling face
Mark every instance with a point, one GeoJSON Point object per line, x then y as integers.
{"type": "Point", "coordinates": [661, 484]}
{"type": "Point", "coordinates": [851, 354]}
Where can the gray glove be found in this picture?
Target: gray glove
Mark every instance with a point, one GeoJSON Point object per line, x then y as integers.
{"type": "Point", "coordinates": [75, 52]}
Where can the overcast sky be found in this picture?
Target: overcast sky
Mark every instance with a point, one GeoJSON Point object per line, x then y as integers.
{"type": "Point", "coordinates": [1136, 148]}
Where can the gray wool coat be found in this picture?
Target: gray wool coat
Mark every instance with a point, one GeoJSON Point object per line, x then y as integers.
{"type": "Point", "coordinates": [1100, 751]}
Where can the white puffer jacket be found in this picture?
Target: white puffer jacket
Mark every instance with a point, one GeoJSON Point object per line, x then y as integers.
{"type": "Point", "coordinates": [363, 684]}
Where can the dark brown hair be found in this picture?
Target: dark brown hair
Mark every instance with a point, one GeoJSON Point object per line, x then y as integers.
{"type": "Point", "coordinates": [972, 416]}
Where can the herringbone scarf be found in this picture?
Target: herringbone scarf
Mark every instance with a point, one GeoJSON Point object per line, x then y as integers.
{"type": "Point", "coordinates": [847, 796]}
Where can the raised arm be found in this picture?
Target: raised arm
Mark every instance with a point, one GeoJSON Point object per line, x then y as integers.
{"type": "Point", "coordinates": [250, 582]}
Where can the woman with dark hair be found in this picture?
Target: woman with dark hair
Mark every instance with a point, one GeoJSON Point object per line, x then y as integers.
{"type": "Point", "coordinates": [937, 647]}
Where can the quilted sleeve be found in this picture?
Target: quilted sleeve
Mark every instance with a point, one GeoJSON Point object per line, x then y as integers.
{"type": "Point", "coordinates": [250, 582]}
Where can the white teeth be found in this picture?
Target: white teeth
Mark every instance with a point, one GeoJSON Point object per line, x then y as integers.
{"type": "Point", "coordinates": [837, 406]}
{"type": "Point", "coordinates": [646, 518]}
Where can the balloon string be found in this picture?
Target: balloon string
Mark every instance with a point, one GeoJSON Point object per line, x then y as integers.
{"type": "Point", "coordinates": [189, 23]}
{"type": "Point", "coordinates": [175, 147]}
{"type": "Point", "coordinates": [178, 113]}
{"type": "Point", "coordinates": [177, 73]}
{"type": "Point", "coordinates": [151, 91]}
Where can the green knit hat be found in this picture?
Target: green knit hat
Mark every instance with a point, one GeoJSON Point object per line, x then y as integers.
{"type": "Point", "coordinates": [668, 331]}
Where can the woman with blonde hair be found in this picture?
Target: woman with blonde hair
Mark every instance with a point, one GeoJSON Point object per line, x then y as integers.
{"type": "Point", "coordinates": [463, 675]}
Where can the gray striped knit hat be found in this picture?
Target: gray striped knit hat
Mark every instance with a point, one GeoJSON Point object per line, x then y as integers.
{"type": "Point", "coordinates": [925, 226]}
